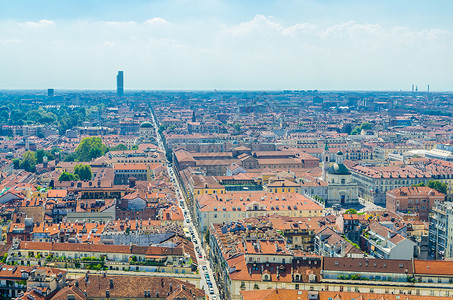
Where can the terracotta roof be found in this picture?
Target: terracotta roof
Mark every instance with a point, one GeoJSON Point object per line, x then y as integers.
{"type": "Point", "coordinates": [57, 193]}
{"type": "Point", "coordinates": [415, 191]}
{"type": "Point", "coordinates": [134, 249]}
{"type": "Point", "coordinates": [266, 200]}
{"type": "Point", "coordinates": [433, 267]}
{"type": "Point", "coordinates": [283, 294]}
{"type": "Point", "coordinates": [135, 286]}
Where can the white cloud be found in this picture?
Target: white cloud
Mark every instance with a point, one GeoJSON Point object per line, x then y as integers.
{"type": "Point", "coordinates": [40, 23]}
{"type": "Point", "coordinates": [156, 21]}
{"type": "Point", "coordinates": [10, 41]}
{"type": "Point", "coordinates": [108, 44]}
{"type": "Point", "coordinates": [259, 24]}
{"type": "Point", "coordinates": [115, 23]}
{"type": "Point", "coordinates": [261, 53]}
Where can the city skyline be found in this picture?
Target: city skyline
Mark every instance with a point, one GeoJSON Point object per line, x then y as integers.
{"type": "Point", "coordinates": [227, 45]}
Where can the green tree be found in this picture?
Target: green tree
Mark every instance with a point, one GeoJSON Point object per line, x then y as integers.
{"type": "Point", "coordinates": [365, 125]}
{"type": "Point", "coordinates": [66, 176]}
{"type": "Point", "coordinates": [120, 147]}
{"type": "Point", "coordinates": [161, 128]}
{"type": "Point", "coordinates": [169, 155]}
{"type": "Point", "coordinates": [4, 115]}
{"type": "Point", "coordinates": [206, 237]}
{"type": "Point", "coordinates": [16, 163]}
{"type": "Point", "coordinates": [25, 165]}
{"type": "Point", "coordinates": [28, 162]}
{"type": "Point", "coordinates": [438, 186]}
{"type": "Point", "coordinates": [83, 171]}
{"type": "Point", "coordinates": [358, 129]}
{"type": "Point", "coordinates": [40, 155]}
{"type": "Point", "coordinates": [434, 184]}
{"type": "Point", "coordinates": [90, 148]}
{"type": "Point", "coordinates": [351, 211]}
{"type": "Point", "coordinates": [51, 154]}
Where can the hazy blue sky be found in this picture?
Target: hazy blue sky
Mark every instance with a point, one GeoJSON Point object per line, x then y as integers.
{"type": "Point", "coordinates": [219, 44]}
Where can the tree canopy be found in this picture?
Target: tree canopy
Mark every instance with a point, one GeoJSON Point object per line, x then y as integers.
{"type": "Point", "coordinates": [28, 162]}
{"type": "Point", "coordinates": [83, 171]}
{"type": "Point", "coordinates": [351, 211]}
{"type": "Point", "coordinates": [119, 147]}
{"type": "Point", "coordinates": [88, 149]}
{"type": "Point", "coordinates": [435, 184]}
{"type": "Point", "coordinates": [358, 129]}
{"type": "Point", "coordinates": [66, 176]}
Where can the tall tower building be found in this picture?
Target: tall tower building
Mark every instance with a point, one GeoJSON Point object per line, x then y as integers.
{"type": "Point", "coordinates": [120, 84]}
{"type": "Point", "coordinates": [325, 161]}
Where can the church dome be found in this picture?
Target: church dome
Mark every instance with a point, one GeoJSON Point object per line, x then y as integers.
{"type": "Point", "coordinates": [146, 125]}
{"type": "Point", "coordinates": [338, 169]}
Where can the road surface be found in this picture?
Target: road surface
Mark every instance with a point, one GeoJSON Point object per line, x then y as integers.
{"type": "Point", "coordinates": [204, 264]}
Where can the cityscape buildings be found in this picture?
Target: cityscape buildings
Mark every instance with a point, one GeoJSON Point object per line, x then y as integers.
{"type": "Point", "coordinates": [225, 197]}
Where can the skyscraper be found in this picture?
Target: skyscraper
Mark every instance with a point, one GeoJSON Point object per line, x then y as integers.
{"type": "Point", "coordinates": [120, 83]}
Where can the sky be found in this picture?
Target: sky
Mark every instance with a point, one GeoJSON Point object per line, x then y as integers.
{"type": "Point", "coordinates": [227, 45]}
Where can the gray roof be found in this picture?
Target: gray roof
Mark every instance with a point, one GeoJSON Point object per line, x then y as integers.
{"type": "Point", "coordinates": [338, 169]}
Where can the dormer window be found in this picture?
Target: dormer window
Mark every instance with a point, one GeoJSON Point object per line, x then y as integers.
{"type": "Point", "coordinates": [266, 277]}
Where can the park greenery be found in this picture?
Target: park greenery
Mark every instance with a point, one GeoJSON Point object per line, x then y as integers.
{"type": "Point", "coordinates": [63, 117]}
{"type": "Point", "coordinates": [163, 128]}
{"type": "Point", "coordinates": [358, 129]}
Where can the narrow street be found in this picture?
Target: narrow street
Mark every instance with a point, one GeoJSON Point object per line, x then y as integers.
{"type": "Point", "coordinates": [208, 282]}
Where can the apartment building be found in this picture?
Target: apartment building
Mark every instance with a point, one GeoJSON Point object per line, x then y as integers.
{"type": "Point", "coordinates": [419, 200]}
{"type": "Point", "coordinates": [234, 206]}
{"type": "Point", "coordinates": [375, 182]}
{"type": "Point", "coordinates": [384, 243]}
{"type": "Point", "coordinates": [441, 230]}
